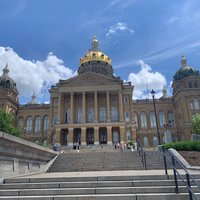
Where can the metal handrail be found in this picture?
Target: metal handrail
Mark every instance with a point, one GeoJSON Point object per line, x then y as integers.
{"type": "Point", "coordinates": [141, 153]}
{"type": "Point", "coordinates": [188, 175]}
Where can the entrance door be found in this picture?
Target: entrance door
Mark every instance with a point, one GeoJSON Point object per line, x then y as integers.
{"type": "Point", "coordinates": [102, 136]}
{"type": "Point", "coordinates": [115, 136]}
{"type": "Point", "coordinates": [77, 135]}
{"type": "Point", "coordinates": [90, 136]}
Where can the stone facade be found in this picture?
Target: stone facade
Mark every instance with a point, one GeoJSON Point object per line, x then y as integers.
{"type": "Point", "coordinates": [96, 107]}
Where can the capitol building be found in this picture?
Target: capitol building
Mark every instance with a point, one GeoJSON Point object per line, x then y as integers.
{"type": "Point", "coordinates": [96, 107]}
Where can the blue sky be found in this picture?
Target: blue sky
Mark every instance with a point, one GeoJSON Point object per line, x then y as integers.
{"type": "Point", "coordinates": [42, 41]}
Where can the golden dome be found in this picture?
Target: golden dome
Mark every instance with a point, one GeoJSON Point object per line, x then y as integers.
{"type": "Point", "coordinates": [94, 54]}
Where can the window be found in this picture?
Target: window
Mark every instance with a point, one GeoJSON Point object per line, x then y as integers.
{"type": "Point", "coordinates": [135, 117]}
{"type": "Point", "coordinates": [79, 115]}
{"type": "Point", "coordinates": [152, 119]}
{"type": "Point", "coordinates": [171, 118]}
{"type": "Point", "coordinates": [126, 100]}
{"type": "Point", "coordinates": [195, 84]}
{"type": "Point", "coordinates": [128, 135]}
{"type": "Point", "coordinates": [127, 116]}
{"type": "Point", "coordinates": [91, 114]}
{"type": "Point", "coordinates": [37, 124]}
{"type": "Point", "coordinates": [29, 124]}
{"type": "Point", "coordinates": [46, 123]}
{"type": "Point", "coordinates": [20, 123]}
{"type": "Point", "coordinates": [162, 119]}
{"type": "Point", "coordinates": [114, 114]}
{"type": "Point", "coordinates": [67, 116]}
{"type": "Point", "coordinates": [102, 114]}
{"type": "Point", "coordinates": [146, 143]}
{"type": "Point", "coordinates": [55, 119]}
{"type": "Point", "coordinates": [190, 84]}
{"type": "Point", "coordinates": [143, 118]}
{"type": "Point", "coordinates": [155, 141]}
{"type": "Point", "coordinates": [196, 104]}
{"type": "Point", "coordinates": [55, 104]}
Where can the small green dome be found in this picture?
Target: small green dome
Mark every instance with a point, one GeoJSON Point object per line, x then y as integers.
{"type": "Point", "coordinates": [6, 81]}
{"type": "Point", "coordinates": [185, 70]}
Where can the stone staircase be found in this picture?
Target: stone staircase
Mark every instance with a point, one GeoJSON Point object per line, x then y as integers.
{"type": "Point", "coordinates": [107, 159]}
{"type": "Point", "coordinates": [102, 160]}
{"type": "Point", "coordinates": [145, 187]}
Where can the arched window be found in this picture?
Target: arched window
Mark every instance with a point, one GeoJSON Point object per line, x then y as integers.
{"type": "Point", "coordinates": [162, 119]}
{"type": "Point", "coordinates": [20, 123]}
{"type": "Point", "coordinates": [46, 123]}
{"type": "Point", "coordinates": [127, 116]}
{"type": "Point", "coordinates": [135, 117]}
{"type": "Point", "coordinates": [143, 117]}
{"type": "Point", "coordinates": [152, 119]}
{"type": "Point", "coordinates": [37, 124]}
{"type": "Point", "coordinates": [196, 104]}
{"type": "Point", "coordinates": [171, 118]}
{"type": "Point", "coordinates": [29, 124]}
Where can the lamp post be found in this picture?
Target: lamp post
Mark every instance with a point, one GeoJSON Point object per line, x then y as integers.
{"type": "Point", "coordinates": [153, 96]}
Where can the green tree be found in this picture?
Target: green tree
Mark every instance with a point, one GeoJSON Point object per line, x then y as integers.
{"type": "Point", "coordinates": [196, 123]}
{"type": "Point", "coordinates": [7, 124]}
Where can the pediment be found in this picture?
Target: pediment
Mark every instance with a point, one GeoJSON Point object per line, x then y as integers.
{"type": "Point", "coordinates": [89, 78]}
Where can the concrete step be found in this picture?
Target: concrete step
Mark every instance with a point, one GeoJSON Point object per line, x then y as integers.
{"type": "Point", "coordinates": [164, 196]}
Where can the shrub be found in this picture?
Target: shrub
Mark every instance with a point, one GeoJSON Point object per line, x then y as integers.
{"type": "Point", "coordinates": [184, 146]}
{"type": "Point", "coordinates": [131, 143]}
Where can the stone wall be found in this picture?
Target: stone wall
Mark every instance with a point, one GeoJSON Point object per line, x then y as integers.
{"type": "Point", "coordinates": [19, 156]}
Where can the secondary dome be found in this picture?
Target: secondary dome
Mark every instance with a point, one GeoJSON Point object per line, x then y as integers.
{"type": "Point", "coordinates": [96, 61]}
{"type": "Point", "coordinates": [6, 81]}
{"type": "Point", "coordinates": [185, 70]}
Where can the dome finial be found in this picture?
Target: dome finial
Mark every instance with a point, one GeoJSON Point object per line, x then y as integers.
{"type": "Point", "coordinates": [183, 60]}
{"type": "Point", "coordinates": [95, 44]}
{"type": "Point", "coordinates": [5, 70]}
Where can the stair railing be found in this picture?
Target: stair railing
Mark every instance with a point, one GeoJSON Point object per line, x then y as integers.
{"type": "Point", "coordinates": [189, 178]}
{"type": "Point", "coordinates": [141, 153]}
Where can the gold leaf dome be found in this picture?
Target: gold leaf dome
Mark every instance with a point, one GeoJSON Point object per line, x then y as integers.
{"type": "Point", "coordinates": [94, 54]}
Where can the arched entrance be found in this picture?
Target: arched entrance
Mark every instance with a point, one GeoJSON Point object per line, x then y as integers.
{"type": "Point", "coordinates": [102, 136]}
{"type": "Point", "coordinates": [63, 137]}
{"type": "Point", "coordinates": [77, 135]}
{"type": "Point", "coordinates": [115, 135]}
{"type": "Point", "coordinates": [89, 136]}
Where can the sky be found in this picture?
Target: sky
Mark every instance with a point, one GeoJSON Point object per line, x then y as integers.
{"type": "Point", "coordinates": [43, 41]}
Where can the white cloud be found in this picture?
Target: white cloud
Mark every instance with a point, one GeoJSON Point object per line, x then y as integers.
{"type": "Point", "coordinates": [31, 75]}
{"type": "Point", "coordinates": [146, 80]}
{"type": "Point", "coordinates": [120, 26]}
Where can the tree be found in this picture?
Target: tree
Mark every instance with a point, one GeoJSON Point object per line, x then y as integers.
{"type": "Point", "coordinates": [196, 123]}
{"type": "Point", "coordinates": [7, 124]}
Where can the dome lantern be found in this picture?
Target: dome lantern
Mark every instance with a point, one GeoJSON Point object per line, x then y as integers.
{"type": "Point", "coordinates": [183, 61]}
{"type": "Point", "coordinates": [95, 44]}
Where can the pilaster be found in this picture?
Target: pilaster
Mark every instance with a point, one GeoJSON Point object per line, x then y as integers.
{"type": "Point", "coordinates": [70, 136]}
{"type": "Point", "coordinates": [108, 106]}
{"type": "Point", "coordinates": [95, 107]}
{"type": "Point", "coordinates": [71, 108]}
{"type": "Point", "coordinates": [83, 107]}
{"type": "Point", "coordinates": [96, 135]}
{"type": "Point", "coordinates": [83, 136]}
{"type": "Point", "coordinates": [121, 113]}
{"type": "Point", "coordinates": [109, 135]}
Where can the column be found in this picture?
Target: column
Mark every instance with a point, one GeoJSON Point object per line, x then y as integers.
{"type": "Point", "coordinates": [57, 135]}
{"type": "Point", "coordinates": [59, 109]}
{"type": "Point", "coordinates": [122, 134]}
{"type": "Point", "coordinates": [95, 107]}
{"type": "Point", "coordinates": [83, 136]}
{"type": "Point", "coordinates": [96, 135]}
{"type": "Point", "coordinates": [121, 114]}
{"type": "Point", "coordinates": [70, 136]}
{"type": "Point", "coordinates": [71, 108]}
{"type": "Point", "coordinates": [109, 135]}
{"type": "Point", "coordinates": [108, 106]}
{"type": "Point", "coordinates": [83, 107]}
